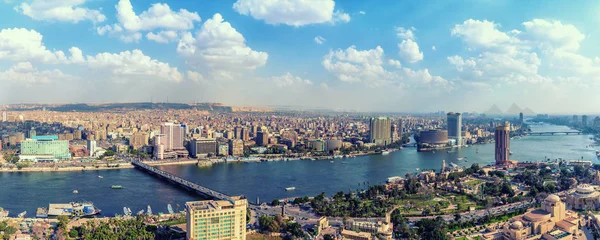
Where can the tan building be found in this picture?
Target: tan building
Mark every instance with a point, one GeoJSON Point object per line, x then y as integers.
{"type": "Point", "coordinates": [138, 140]}
{"type": "Point", "coordinates": [585, 197]}
{"type": "Point", "coordinates": [551, 220]}
{"type": "Point", "coordinates": [236, 147]}
{"type": "Point", "coordinates": [347, 234]}
{"type": "Point", "coordinates": [222, 219]}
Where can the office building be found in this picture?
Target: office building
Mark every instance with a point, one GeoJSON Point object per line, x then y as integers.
{"type": "Point", "coordinates": [91, 146]}
{"type": "Point", "coordinates": [380, 131]}
{"type": "Point", "coordinates": [4, 116]}
{"type": "Point", "coordinates": [575, 119]}
{"type": "Point", "coordinates": [454, 127]}
{"type": "Point", "coordinates": [223, 149]}
{"type": "Point", "coordinates": [202, 147]}
{"type": "Point", "coordinates": [220, 219]}
{"type": "Point", "coordinates": [44, 149]}
{"type": "Point", "coordinates": [584, 120]}
{"type": "Point", "coordinates": [236, 147]}
{"type": "Point", "coordinates": [262, 138]}
{"type": "Point", "coordinates": [138, 140]}
{"type": "Point", "coordinates": [173, 138]}
{"type": "Point", "coordinates": [502, 136]}
{"type": "Point", "coordinates": [245, 134]}
{"type": "Point", "coordinates": [316, 145]}
{"type": "Point", "coordinates": [238, 132]}
{"type": "Point", "coordinates": [521, 121]}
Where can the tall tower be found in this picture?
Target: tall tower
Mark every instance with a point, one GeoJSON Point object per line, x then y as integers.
{"type": "Point", "coordinates": [4, 116]}
{"type": "Point", "coordinates": [454, 126]}
{"type": "Point", "coordinates": [502, 136]}
{"type": "Point", "coordinates": [380, 131]}
{"type": "Point", "coordinates": [91, 146]}
{"type": "Point", "coordinates": [584, 120]}
{"type": "Point", "coordinates": [173, 136]}
{"type": "Point", "coordinates": [521, 118]}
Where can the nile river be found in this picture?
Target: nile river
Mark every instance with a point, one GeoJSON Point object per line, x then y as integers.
{"type": "Point", "coordinates": [265, 180]}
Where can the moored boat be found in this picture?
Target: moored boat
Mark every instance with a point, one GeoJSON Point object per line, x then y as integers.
{"type": "Point", "coordinates": [116, 187]}
{"type": "Point", "coordinates": [385, 152]}
{"type": "Point", "coordinates": [149, 210]}
{"type": "Point", "coordinates": [22, 215]}
{"type": "Point", "coordinates": [75, 191]}
{"type": "Point", "coordinates": [41, 213]}
{"type": "Point", "coordinates": [290, 188]}
{"type": "Point", "coordinates": [170, 208]}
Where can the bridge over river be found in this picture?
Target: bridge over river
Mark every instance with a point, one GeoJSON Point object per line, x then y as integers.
{"type": "Point", "coordinates": [203, 191]}
{"type": "Point", "coordinates": [554, 133]}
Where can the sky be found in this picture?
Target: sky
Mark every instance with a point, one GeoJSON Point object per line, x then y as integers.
{"type": "Point", "coordinates": [396, 56]}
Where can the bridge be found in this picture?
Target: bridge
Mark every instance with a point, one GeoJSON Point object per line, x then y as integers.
{"type": "Point", "coordinates": [553, 133]}
{"type": "Point", "coordinates": [203, 191]}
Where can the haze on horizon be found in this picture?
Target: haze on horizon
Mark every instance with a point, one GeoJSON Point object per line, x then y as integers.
{"type": "Point", "coordinates": [402, 56]}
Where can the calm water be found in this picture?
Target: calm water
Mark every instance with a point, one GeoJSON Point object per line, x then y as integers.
{"type": "Point", "coordinates": [266, 180]}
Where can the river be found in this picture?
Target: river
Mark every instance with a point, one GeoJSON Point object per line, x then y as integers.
{"type": "Point", "coordinates": [265, 180]}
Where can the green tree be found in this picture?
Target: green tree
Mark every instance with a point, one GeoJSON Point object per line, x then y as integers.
{"type": "Point", "coordinates": [432, 229]}
{"type": "Point", "coordinates": [328, 237]}
{"type": "Point", "coordinates": [275, 202]}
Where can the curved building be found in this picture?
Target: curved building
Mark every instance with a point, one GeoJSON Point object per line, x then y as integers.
{"type": "Point", "coordinates": [585, 197]}
{"type": "Point", "coordinates": [333, 144]}
{"type": "Point", "coordinates": [434, 137]}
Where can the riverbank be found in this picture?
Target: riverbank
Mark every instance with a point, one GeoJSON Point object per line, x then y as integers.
{"type": "Point", "coordinates": [166, 163]}
{"type": "Point", "coordinates": [68, 169]}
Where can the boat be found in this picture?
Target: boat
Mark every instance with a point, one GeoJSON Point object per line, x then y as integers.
{"type": "Point", "coordinates": [385, 152]}
{"type": "Point", "coordinates": [141, 212]}
{"type": "Point", "coordinates": [75, 191]}
{"type": "Point", "coordinates": [169, 208]}
{"type": "Point", "coordinates": [460, 159]}
{"type": "Point", "coordinates": [149, 210]}
{"type": "Point", "coordinates": [125, 212]}
{"type": "Point", "coordinates": [116, 187]}
{"type": "Point", "coordinates": [100, 176]}
{"type": "Point", "coordinates": [3, 213]}
{"type": "Point", "coordinates": [73, 209]}
{"type": "Point", "coordinates": [344, 163]}
{"type": "Point", "coordinates": [510, 153]}
{"type": "Point", "coordinates": [22, 215]}
{"type": "Point", "coordinates": [41, 213]}
{"type": "Point", "coordinates": [290, 188]}
{"type": "Point", "coordinates": [129, 211]}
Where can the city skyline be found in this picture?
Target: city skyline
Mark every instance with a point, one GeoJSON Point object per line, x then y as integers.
{"type": "Point", "coordinates": [425, 59]}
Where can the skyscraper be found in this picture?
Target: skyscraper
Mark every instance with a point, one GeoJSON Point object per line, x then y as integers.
{"type": "Point", "coordinates": [91, 146]}
{"type": "Point", "coordinates": [4, 116]}
{"type": "Point", "coordinates": [380, 131]}
{"type": "Point", "coordinates": [173, 138]}
{"type": "Point", "coordinates": [584, 120]}
{"type": "Point", "coordinates": [502, 136]}
{"type": "Point", "coordinates": [575, 119]}
{"type": "Point", "coordinates": [521, 118]}
{"type": "Point", "coordinates": [454, 126]}
{"type": "Point", "coordinates": [238, 132]}
{"type": "Point", "coordinates": [221, 219]}
{"type": "Point", "coordinates": [262, 137]}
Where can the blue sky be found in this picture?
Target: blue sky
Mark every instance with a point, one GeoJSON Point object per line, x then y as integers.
{"type": "Point", "coordinates": [352, 55]}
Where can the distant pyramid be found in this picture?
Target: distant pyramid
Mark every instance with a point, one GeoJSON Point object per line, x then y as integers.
{"type": "Point", "coordinates": [514, 110]}
{"type": "Point", "coordinates": [528, 111]}
{"type": "Point", "coordinates": [494, 110]}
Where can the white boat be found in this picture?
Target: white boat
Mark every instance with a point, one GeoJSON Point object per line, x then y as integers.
{"type": "Point", "coordinates": [22, 215]}
{"type": "Point", "coordinates": [290, 188]}
{"type": "Point", "coordinates": [331, 161]}
{"type": "Point", "coordinates": [149, 210]}
{"type": "Point", "coordinates": [75, 191]}
{"type": "Point", "coordinates": [141, 212]}
{"type": "Point", "coordinates": [460, 159]}
{"type": "Point", "coordinates": [385, 152]}
{"type": "Point", "coordinates": [100, 176]}
{"type": "Point", "coordinates": [125, 212]}
{"type": "Point", "coordinates": [169, 208]}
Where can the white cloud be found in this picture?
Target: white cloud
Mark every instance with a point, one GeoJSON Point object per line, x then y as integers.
{"type": "Point", "coordinates": [158, 16]}
{"type": "Point", "coordinates": [395, 63]}
{"type": "Point", "coordinates": [219, 46]}
{"type": "Point", "coordinates": [409, 51]}
{"type": "Point", "coordinates": [433, 48]}
{"type": "Point", "coordinates": [320, 40]}
{"type": "Point", "coordinates": [24, 73]}
{"type": "Point", "coordinates": [362, 12]}
{"type": "Point", "coordinates": [460, 64]}
{"type": "Point", "coordinates": [162, 36]}
{"type": "Point", "coordinates": [132, 64]}
{"type": "Point", "coordinates": [195, 77]}
{"type": "Point", "coordinates": [289, 80]}
{"type": "Point", "coordinates": [293, 13]}
{"type": "Point", "coordinates": [324, 86]}
{"type": "Point", "coordinates": [405, 33]}
{"type": "Point", "coordinates": [484, 35]}
{"type": "Point", "coordinates": [20, 44]}
{"type": "Point", "coordinates": [367, 67]}
{"type": "Point", "coordinates": [60, 10]}
{"type": "Point", "coordinates": [553, 34]}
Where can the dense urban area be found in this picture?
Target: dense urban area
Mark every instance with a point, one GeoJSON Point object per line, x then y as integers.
{"type": "Point", "coordinates": [506, 199]}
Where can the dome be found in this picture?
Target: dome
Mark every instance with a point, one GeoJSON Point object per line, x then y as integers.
{"type": "Point", "coordinates": [552, 198]}
{"type": "Point", "coordinates": [516, 225]}
{"type": "Point", "coordinates": [585, 189]}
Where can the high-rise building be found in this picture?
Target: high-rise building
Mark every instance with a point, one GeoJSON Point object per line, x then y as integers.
{"type": "Point", "coordinates": [502, 136]}
{"type": "Point", "coordinates": [262, 137]}
{"type": "Point", "coordinates": [91, 146]}
{"type": "Point", "coordinates": [4, 116]}
{"type": "Point", "coordinates": [222, 219]}
{"type": "Point", "coordinates": [584, 120]}
{"type": "Point", "coordinates": [575, 119]}
{"type": "Point", "coordinates": [521, 118]}
{"type": "Point", "coordinates": [380, 131]}
{"type": "Point", "coordinates": [138, 140]}
{"type": "Point", "coordinates": [454, 127]}
{"type": "Point", "coordinates": [44, 149]}
{"type": "Point", "coordinates": [202, 147]}
{"type": "Point", "coordinates": [174, 134]}
{"type": "Point", "coordinates": [238, 132]}
{"type": "Point", "coordinates": [245, 134]}
{"type": "Point", "coordinates": [236, 147]}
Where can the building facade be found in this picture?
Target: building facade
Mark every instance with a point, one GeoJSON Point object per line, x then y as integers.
{"type": "Point", "coordinates": [202, 147]}
{"type": "Point", "coordinates": [502, 145]}
{"type": "Point", "coordinates": [380, 131]}
{"type": "Point", "coordinates": [236, 147]}
{"type": "Point", "coordinates": [222, 219]}
{"type": "Point", "coordinates": [454, 126]}
{"type": "Point", "coordinates": [44, 149]}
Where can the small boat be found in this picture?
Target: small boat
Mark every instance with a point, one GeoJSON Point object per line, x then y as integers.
{"type": "Point", "coordinates": [510, 153]}
{"type": "Point", "coordinates": [41, 213]}
{"type": "Point", "coordinates": [169, 208]}
{"type": "Point", "coordinates": [141, 212]}
{"type": "Point", "coordinates": [22, 215]}
{"type": "Point", "coordinates": [100, 176]}
{"type": "Point", "coordinates": [460, 158]}
{"type": "Point", "coordinates": [290, 188]}
{"type": "Point", "coordinates": [149, 210]}
{"type": "Point", "coordinates": [125, 212]}
{"type": "Point", "coordinates": [385, 152]}
{"type": "Point", "coordinates": [344, 163]}
{"type": "Point", "coordinates": [75, 191]}
{"type": "Point", "coordinates": [116, 187]}
{"type": "Point", "coordinates": [331, 161]}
